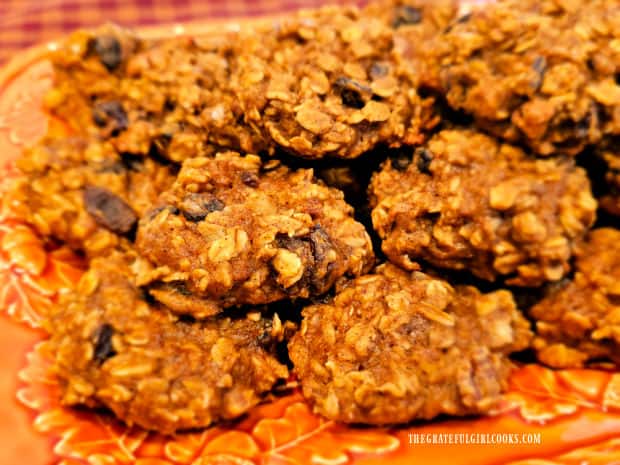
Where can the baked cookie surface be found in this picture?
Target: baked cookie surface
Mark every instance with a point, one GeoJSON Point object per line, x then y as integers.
{"type": "Point", "coordinates": [465, 201]}
{"type": "Point", "coordinates": [394, 346]}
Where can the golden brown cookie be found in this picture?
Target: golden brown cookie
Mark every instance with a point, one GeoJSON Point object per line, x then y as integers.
{"type": "Point", "coordinates": [465, 201]}
{"type": "Point", "coordinates": [579, 321]}
{"type": "Point", "coordinates": [394, 346]}
{"type": "Point", "coordinates": [84, 193]}
{"type": "Point", "coordinates": [541, 73]}
{"type": "Point", "coordinates": [114, 348]}
{"type": "Point", "coordinates": [417, 25]}
{"type": "Point", "coordinates": [169, 97]}
{"type": "Point", "coordinates": [609, 153]}
{"type": "Point", "coordinates": [329, 82]}
{"type": "Point", "coordinates": [234, 231]}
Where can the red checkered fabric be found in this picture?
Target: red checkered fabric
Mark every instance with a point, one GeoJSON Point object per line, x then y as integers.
{"type": "Point", "coordinates": [28, 22]}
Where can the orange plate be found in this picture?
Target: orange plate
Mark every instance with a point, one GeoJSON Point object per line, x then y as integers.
{"type": "Point", "coordinates": [548, 417]}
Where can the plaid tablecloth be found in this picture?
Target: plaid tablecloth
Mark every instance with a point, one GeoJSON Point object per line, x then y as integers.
{"type": "Point", "coordinates": [27, 22]}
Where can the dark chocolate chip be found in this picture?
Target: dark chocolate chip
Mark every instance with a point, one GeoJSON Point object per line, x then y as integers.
{"type": "Point", "coordinates": [169, 105]}
{"type": "Point", "coordinates": [400, 159]}
{"type": "Point", "coordinates": [314, 250]}
{"type": "Point", "coordinates": [351, 92]}
{"type": "Point", "coordinates": [574, 132]}
{"type": "Point", "coordinates": [112, 115]}
{"type": "Point", "coordinates": [159, 147]}
{"type": "Point", "coordinates": [582, 128]}
{"type": "Point", "coordinates": [109, 210]}
{"type": "Point", "coordinates": [196, 207]}
{"type": "Point", "coordinates": [249, 179]}
{"type": "Point", "coordinates": [194, 217]}
{"type": "Point", "coordinates": [187, 319]}
{"type": "Point", "coordinates": [432, 217]}
{"type": "Point", "coordinates": [320, 244]}
{"type": "Point", "coordinates": [214, 205]}
{"type": "Point", "coordinates": [284, 241]}
{"type": "Point", "coordinates": [407, 15]}
{"type": "Point", "coordinates": [424, 159]}
{"type": "Point", "coordinates": [352, 98]}
{"type": "Point", "coordinates": [100, 118]}
{"type": "Point", "coordinates": [109, 50]}
{"type": "Point", "coordinates": [103, 343]}
{"type": "Point", "coordinates": [132, 162]}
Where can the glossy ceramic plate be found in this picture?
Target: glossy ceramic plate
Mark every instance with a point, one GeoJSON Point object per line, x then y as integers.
{"type": "Point", "coordinates": [547, 417]}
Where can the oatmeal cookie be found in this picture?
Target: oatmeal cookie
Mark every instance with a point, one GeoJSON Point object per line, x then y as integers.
{"type": "Point", "coordinates": [84, 193]}
{"type": "Point", "coordinates": [466, 201]}
{"type": "Point", "coordinates": [114, 348]}
{"type": "Point", "coordinates": [394, 346]}
{"type": "Point", "coordinates": [169, 97]}
{"type": "Point", "coordinates": [609, 153]}
{"type": "Point", "coordinates": [426, 16]}
{"type": "Point", "coordinates": [234, 231]}
{"type": "Point", "coordinates": [579, 321]}
{"type": "Point", "coordinates": [329, 82]}
{"type": "Point", "coordinates": [541, 73]}
{"type": "Point", "coordinates": [417, 24]}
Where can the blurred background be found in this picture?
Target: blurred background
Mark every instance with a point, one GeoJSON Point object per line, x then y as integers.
{"type": "Point", "coordinates": [28, 22]}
